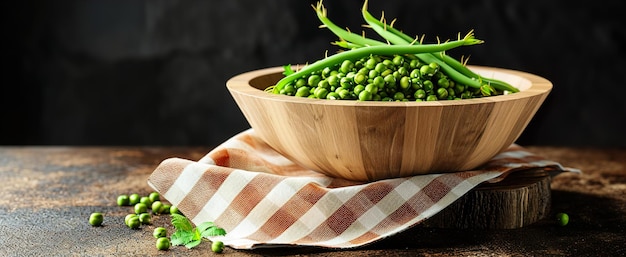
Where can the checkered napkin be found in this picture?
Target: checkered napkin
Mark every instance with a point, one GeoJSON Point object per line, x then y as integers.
{"type": "Point", "coordinates": [263, 199]}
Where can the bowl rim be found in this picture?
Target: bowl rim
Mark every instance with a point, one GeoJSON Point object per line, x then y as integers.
{"type": "Point", "coordinates": [538, 85]}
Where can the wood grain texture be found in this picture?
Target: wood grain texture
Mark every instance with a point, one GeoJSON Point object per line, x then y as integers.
{"type": "Point", "coordinates": [368, 141]}
{"type": "Point", "coordinates": [521, 199]}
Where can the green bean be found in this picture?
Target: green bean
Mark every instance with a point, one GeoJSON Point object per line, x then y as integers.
{"type": "Point", "coordinates": [384, 31]}
{"type": "Point", "coordinates": [374, 50]}
{"type": "Point", "coordinates": [452, 65]}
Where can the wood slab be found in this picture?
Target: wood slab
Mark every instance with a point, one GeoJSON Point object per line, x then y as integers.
{"type": "Point", "coordinates": [521, 199]}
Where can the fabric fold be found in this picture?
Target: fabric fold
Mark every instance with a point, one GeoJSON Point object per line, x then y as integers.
{"type": "Point", "coordinates": [263, 199]}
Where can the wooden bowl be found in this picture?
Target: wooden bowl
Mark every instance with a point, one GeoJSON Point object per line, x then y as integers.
{"type": "Point", "coordinates": [367, 141]}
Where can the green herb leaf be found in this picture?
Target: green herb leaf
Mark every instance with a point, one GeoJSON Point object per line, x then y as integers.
{"type": "Point", "coordinates": [193, 244]}
{"type": "Point", "coordinates": [181, 237]}
{"type": "Point", "coordinates": [205, 225]}
{"type": "Point", "coordinates": [189, 236]}
{"type": "Point", "coordinates": [288, 71]}
{"type": "Point", "coordinates": [214, 231]}
{"type": "Point", "coordinates": [196, 234]}
{"type": "Point", "coordinates": [181, 222]}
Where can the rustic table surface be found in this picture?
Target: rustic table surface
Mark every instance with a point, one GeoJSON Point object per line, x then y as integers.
{"type": "Point", "coordinates": [48, 193]}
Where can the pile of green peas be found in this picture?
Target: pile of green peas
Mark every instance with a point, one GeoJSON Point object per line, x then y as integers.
{"type": "Point", "coordinates": [383, 78]}
{"type": "Point", "coordinates": [142, 206]}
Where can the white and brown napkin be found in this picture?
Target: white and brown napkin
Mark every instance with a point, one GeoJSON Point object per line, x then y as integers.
{"type": "Point", "coordinates": [263, 199]}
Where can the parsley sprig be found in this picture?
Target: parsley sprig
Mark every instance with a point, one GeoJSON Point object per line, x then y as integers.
{"type": "Point", "coordinates": [188, 235]}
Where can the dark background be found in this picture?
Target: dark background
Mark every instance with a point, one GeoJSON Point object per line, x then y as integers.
{"type": "Point", "coordinates": [154, 72]}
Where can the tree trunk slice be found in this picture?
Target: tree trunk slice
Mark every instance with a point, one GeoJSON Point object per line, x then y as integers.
{"type": "Point", "coordinates": [520, 199]}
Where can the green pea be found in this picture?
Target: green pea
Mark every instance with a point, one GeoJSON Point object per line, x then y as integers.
{"type": "Point", "coordinates": [403, 71]}
{"type": "Point", "coordinates": [145, 218]}
{"type": "Point", "coordinates": [451, 92]}
{"type": "Point", "coordinates": [333, 80]}
{"type": "Point", "coordinates": [346, 83]}
{"type": "Point", "coordinates": [304, 91]}
{"type": "Point", "coordinates": [390, 80]}
{"type": "Point", "coordinates": [360, 78]}
{"type": "Point", "coordinates": [442, 93]}
{"type": "Point", "coordinates": [443, 82]}
{"type": "Point", "coordinates": [405, 82]}
{"type": "Point", "coordinates": [289, 89]}
{"type": "Point", "coordinates": [344, 93]}
{"type": "Point", "coordinates": [416, 83]}
{"type": "Point", "coordinates": [123, 200]}
{"type": "Point", "coordinates": [128, 217]}
{"type": "Point", "coordinates": [372, 74]}
{"type": "Point", "coordinates": [134, 222]}
{"type": "Point", "coordinates": [398, 96]}
{"type": "Point", "coordinates": [398, 60]}
{"type": "Point", "coordinates": [166, 208]}
{"type": "Point", "coordinates": [154, 196]}
{"type": "Point", "coordinates": [141, 208]}
{"type": "Point", "coordinates": [434, 66]}
{"type": "Point", "coordinates": [431, 98]}
{"type": "Point", "coordinates": [371, 63]}
{"type": "Point", "coordinates": [163, 243]}
{"type": "Point", "coordinates": [146, 200]}
{"type": "Point", "coordinates": [346, 66]}
{"type": "Point", "coordinates": [387, 63]}
{"type": "Point", "coordinates": [427, 70]}
{"type": "Point", "coordinates": [379, 82]}
{"type": "Point", "coordinates": [371, 88]}
{"type": "Point", "coordinates": [428, 85]}
{"type": "Point", "coordinates": [96, 219]}
{"type": "Point", "coordinates": [380, 67]}
{"type": "Point", "coordinates": [326, 72]}
{"type": "Point", "coordinates": [157, 207]}
{"type": "Point", "coordinates": [365, 95]}
{"type": "Point", "coordinates": [159, 232]}
{"type": "Point", "coordinates": [320, 93]}
{"type": "Point", "coordinates": [300, 83]}
{"type": "Point", "coordinates": [323, 84]}
{"type": "Point", "coordinates": [217, 246]}
{"type": "Point", "coordinates": [358, 89]}
{"type": "Point", "coordinates": [174, 209]}
{"type": "Point", "coordinates": [420, 94]}
{"type": "Point", "coordinates": [562, 218]}
{"type": "Point", "coordinates": [333, 96]}
{"type": "Point", "coordinates": [313, 80]}
{"type": "Point", "coordinates": [415, 73]}
{"type": "Point", "coordinates": [386, 72]}
{"type": "Point", "coordinates": [133, 199]}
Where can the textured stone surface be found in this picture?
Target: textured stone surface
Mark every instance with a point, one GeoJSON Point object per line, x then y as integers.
{"type": "Point", "coordinates": [154, 72]}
